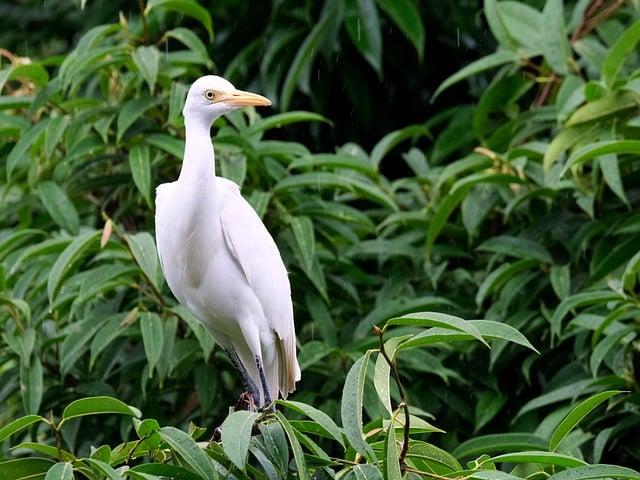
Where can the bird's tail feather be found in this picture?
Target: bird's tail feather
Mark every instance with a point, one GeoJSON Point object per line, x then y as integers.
{"type": "Point", "coordinates": [288, 368]}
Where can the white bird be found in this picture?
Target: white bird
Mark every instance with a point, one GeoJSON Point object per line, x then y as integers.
{"type": "Point", "coordinates": [218, 257]}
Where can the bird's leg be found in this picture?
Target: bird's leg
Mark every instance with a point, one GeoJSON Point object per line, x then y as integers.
{"type": "Point", "coordinates": [263, 381]}
{"type": "Point", "coordinates": [250, 387]}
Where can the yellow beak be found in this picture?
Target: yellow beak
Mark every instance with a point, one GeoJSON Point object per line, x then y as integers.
{"type": "Point", "coordinates": [239, 98]}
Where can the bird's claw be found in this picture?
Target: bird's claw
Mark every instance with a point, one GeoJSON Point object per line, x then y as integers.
{"type": "Point", "coordinates": [245, 402]}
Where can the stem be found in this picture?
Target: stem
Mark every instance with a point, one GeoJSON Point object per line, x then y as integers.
{"type": "Point", "coordinates": [145, 27]}
{"type": "Point", "coordinates": [403, 397]}
{"type": "Point", "coordinates": [56, 432]}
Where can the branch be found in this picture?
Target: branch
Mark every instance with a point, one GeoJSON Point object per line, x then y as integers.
{"type": "Point", "coordinates": [403, 397]}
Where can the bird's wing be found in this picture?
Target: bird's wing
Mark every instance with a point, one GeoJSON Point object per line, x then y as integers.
{"type": "Point", "coordinates": [259, 258]}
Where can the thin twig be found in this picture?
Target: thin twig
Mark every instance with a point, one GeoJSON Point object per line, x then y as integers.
{"type": "Point", "coordinates": [145, 27]}
{"type": "Point", "coordinates": [403, 398]}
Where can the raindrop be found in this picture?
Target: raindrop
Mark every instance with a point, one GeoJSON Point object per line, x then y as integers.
{"type": "Point", "coordinates": [458, 35]}
{"type": "Point", "coordinates": [358, 28]}
{"type": "Point", "coordinates": [166, 51]}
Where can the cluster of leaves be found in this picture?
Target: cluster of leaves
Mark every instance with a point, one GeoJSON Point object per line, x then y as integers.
{"type": "Point", "coordinates": [382, 448]}
{"type": "Point", "coordinates": [545, 202]}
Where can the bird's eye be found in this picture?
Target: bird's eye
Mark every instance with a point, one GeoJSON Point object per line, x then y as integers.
{"type": "Point", "coordinates": [209, 94]}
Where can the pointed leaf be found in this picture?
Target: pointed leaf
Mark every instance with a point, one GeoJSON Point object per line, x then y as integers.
{"type": "Point", "coordinates": [68, 258]}
{"type": "Point", "coordinates": [351, 409]}
{"type": "Point", "coordinates": [187, 448]}
{"type": "Point", "coordinates": [575, 416]}
{"type": "Point", "coordinates": [152, 338]}
{"type": "Point", "coordinates": [147, 59]}
{"type": "Point", "coordinates": [140, 165]}
{"type": "Point", "coordinates": [236, 435]}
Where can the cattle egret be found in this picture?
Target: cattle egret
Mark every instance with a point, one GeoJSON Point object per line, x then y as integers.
{"type": "Point", "coordinates": [218, 257]}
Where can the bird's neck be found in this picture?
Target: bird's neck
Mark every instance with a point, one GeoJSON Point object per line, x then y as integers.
{"type": "Point", "coordinates": [198, 164]}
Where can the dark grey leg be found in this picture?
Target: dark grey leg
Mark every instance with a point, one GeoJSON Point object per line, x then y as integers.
{"type": "Point", "coordinates": [263, 381]}
{"type": "Point", "coordinates": [249, 385]}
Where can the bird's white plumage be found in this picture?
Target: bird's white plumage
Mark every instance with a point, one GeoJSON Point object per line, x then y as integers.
{"type": "Point", "coordinates": [218, 257]}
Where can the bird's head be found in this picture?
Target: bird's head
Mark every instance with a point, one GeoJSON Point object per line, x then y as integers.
{"type": "Point", "coordinates": [211, 96]}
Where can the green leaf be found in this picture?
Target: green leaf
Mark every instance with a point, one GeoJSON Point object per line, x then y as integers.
{"type": "Point", "coordinates": [560, 277]}
{"type": "Point", "coordinates": [578, 300]}
{"type": "Point", "coordinates": [363, 25]}
{"type": "Point", "coordinates": [143, 249]}
{"type": "Point", "coordinates": [597, 149]}
{"type": "Point", "coordinates": [609, 166]}
{"type": "Point", "coordinates": [60, 471]}
{"type": "Point", "coordinates": [488, 406]}
{"type": "Point", "coordinates": [603, 108]}
{"type": "Point", "coordinates": [497, 24]}
{"type": "Point", "coordinates": [406, 16]}
{"type": "Point", "coordinates": [104, 469]}
{"type": "Point", "coordinates": [190, 8]}
{"type": "Point", "coordinates": [575, 416]}
{"type": "Point", "coordinates": [31, 384]}
{"type": "Point", "coordinates": [130, 112]}
{"type": "Point", "coordinates": [485, 63]}
{"type": "Point", "coordinates": [304, 58]}
{"type": "Point", "coordinates": [556, 395]}
{"type": "Point", "coordinates": [318, 180]}
{"type": "Point", "coordinates": [140, 166]}
{"type": "Point", "coordinates": [589, 472]}
{"type": "Point", "coordinates": [53, 134]}
{"type": "Point", "coordinates": [317, 416]}
{"type": "Point", "coordinates": [391, 459]}
{"type": "Point", "coordinates": [19, 155]}
{"type": "Point", "coordinates": [335, 160]}
{"type": "Point", "coordinates": [322, 319]}
{"type": "Point", "coordinates": [435, 319]}
{"type": "Point", "coordinates": [191, 40]}
{"type": "Point", "coordinates": [489, 329]}
{"type": "Point", "coordinates": [516, 247]}
{"type": "Point", "coordinates": [96, 406]}
{"type": "Point", "coordinates": [555, 44]}
{"type": "Point", "coordinates": [501, 275]}
{"type": "Point", "coordinates": [147, 59]}
{"type": "Point", "coordinates": [304, 236]}
{"type": "Point", "coordinates": [390, 140]}
{"type": "Point", "coordinates": [19, 424]}
{"type": "Point", "coordinates": [382, 372]}
{"type": "Point", "coordinates": [152, 337]}
{"type": "Point", "coordinates": [541, 457]}
{"type": "Point", "coordinates": [189, 451]}
{"type": "Point", "coordinates": [174, 472]}
{"type": "Point", "coordinates": [298, 455]}
{"type": "Point", "coordinates": [61, 209]}
{"type": "Point", "coordinates": [631, 272]}
{"type": "Point", "coordinates": [68, 259]}
{"type": "Point", "coordinates": [282, 119]}
{"type": "Point", "coordinates": [177, 96]}
{"type": "Point", "coordinates": [351, 406]}
{"type": "Point", "coordinates": [616, 55]}
{"type": "Point", "coordinates": [455, 196]}
{"type": "Point", "coordinates": [173, 146]}
{"type": "Point", "coordinates": [236, 435]}
{"type": "Point", "coordinates": [502, 442]}
{"type": "Point", "coordinates": [522, 22]}
{"type": "Point", "coordinates": [363, 471]}
{"type": "Point", "coordinates": [24, 468]}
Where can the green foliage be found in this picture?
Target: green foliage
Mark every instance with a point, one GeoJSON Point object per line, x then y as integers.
{"type": "Point", "coordinates": [519, 210]}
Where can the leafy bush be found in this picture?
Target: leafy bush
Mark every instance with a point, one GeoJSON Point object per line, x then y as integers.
{"type": "Point", "coordinates": [521, 211]}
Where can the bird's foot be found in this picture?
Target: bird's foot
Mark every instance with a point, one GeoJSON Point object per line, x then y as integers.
{"type": "Point", "coordinates": [245, 402]}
